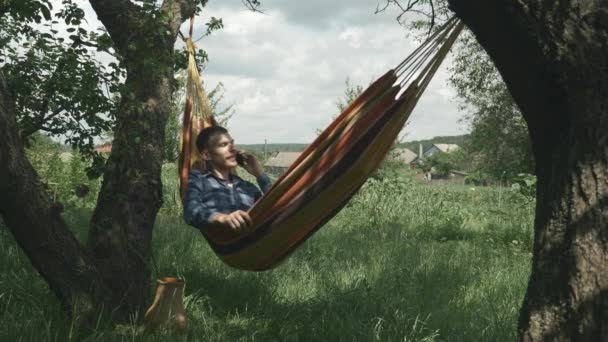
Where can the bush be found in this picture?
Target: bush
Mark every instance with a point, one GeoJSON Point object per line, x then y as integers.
{"type": "Point", "coordinates": [477, 178]}
{"type": "Point", "coordinates": [65, 181]}
{"type": "Point", "coordinates": [525, 184]}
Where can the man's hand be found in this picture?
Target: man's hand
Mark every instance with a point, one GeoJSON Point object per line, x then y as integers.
{"type": "Point", "coordinates": [251, 164]}
{"type": "Point", "coordinates": [236, 220]}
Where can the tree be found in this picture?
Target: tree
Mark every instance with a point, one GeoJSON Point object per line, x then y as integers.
{"type": "Point", "coordinates": [442, 163]}
{"type": "Point", "coordinates": [553, 58]}
{"type": "Point", "coordinates": [498, 143]}
{"type": "Point", "coordinates": [351, 93]}
{"type": "Point", "coordinates": [112, 271]}
{"type": "Point", "coordinates": [57, 84]}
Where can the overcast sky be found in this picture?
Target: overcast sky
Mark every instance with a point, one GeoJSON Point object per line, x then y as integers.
{"type": "Point", "coordinates": [284, 69]}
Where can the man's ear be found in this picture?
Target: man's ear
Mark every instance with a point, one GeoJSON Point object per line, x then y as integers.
{"type": "Point", "coordinates": [205, 155]}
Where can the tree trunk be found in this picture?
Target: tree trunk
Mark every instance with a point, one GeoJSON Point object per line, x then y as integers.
{"type": "Point", "coordinates": [38, 227]}
{"type": "Point", "coordinates": [130, 197]}
{"type": "Point", "coordinates": [131, 194]}
{"type": "Point", "coordinates": [553, 56]}
{"type": "Point", "coordinates": [113, 273]}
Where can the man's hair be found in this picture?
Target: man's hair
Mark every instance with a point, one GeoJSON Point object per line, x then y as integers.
{"type": "Point", "coordinates": [205, 136]}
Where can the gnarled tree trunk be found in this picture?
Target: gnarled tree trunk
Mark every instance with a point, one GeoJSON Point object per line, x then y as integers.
{"type": "Point", "coordinates": [112, 273]}
{"type": "Point", "coordinates": [553, 56]}
{"type": "Point", "coordinates": [131, 193]}
{"type": "Point", "coordinates": [37, 225]}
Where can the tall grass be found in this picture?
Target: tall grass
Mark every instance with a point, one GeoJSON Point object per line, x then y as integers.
{"type": "Point", "coordinates": [402, 262]}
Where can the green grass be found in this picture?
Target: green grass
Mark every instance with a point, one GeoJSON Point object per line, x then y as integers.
{"type": "Point", "coordinates": [402, 262]}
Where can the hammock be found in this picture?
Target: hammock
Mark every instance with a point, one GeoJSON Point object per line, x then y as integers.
{"type": "Point", "coordinates": [330, 171]}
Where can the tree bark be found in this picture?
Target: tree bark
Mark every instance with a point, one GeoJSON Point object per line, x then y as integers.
{"type": "Point", "coordinates": [131, 192]}
{"type": "Point", "coordinates": [112, 273]}
{"type": "Point", "coordinates": [553, 56]}
{"type": "Point", "coordinates": [38, 227]}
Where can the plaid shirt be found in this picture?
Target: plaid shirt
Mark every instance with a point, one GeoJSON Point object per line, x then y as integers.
{"type": "Point", "coordinates": [208, 195]}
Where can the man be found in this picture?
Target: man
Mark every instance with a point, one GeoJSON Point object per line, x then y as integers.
{"type": "Point", "coordinates": [218, 197]}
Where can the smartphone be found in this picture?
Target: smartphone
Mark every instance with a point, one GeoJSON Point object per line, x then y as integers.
{"type": "Point", "coordinates": [240, 159]}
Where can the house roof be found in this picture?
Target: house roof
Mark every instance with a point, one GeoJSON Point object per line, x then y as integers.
{"type": "Point", "coordinates": [447, 148]}
{"type": "Point", "coordinates": [404, 155]}
{"type": "Point", "coordinates": [460, 173]}
{"type": "Point", "coordinates": [104, 148]}
{"type": "Point", "coordinates": [282, 159]}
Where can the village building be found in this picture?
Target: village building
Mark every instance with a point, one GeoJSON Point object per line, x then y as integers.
{"type": "Point", "coordinates": [405, 156]}
{"type": "Point", "coordinates": [279, 162]}
{"type": "Point", "coordinates": [453, 176]}
{"type": "Point", "coordinates": [106, 148]}
{"type": "Point", "coordinates": [436, 148]}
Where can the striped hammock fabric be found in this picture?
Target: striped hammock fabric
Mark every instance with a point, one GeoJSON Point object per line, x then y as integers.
{"type": "Point", "coordinates": [331, 170]}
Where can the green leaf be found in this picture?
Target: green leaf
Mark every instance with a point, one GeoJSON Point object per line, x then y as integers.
{"type": "Point", "coordinates": [46, 13]}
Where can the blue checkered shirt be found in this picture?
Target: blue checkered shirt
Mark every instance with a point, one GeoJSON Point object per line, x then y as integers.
{"type": "Point", "coordinates": [208, 195]}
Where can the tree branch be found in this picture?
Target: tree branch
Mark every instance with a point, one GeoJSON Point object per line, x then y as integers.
{"type": "Point", "coordinates": [37, 225]}
{"type": "Point", "coordinates": [253, 5]}
{"type": "Point", "coordinates": [40, 124]}
{"type": "Point", "coordinates": [178, 11]}
{"type": "Point", "coordinates": [3, 7]}
{"type": "Point", "coordinates": [119, 18]}
{"type": "Point", "coordinates": [432, 17]}
{"type": "Point", "coordinates": [414, 6]}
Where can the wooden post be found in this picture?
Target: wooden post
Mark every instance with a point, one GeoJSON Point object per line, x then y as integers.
{"type": "Point", "coordinates": [265, 150]}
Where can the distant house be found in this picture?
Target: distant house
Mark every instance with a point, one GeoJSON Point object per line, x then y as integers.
{"type": "Point", "coordinates": [107, 148]}
{"type": "Point", "coordinates": [445, 148]}
{"type": "Point", "coordinates": [405, 155]}
{"type": "Point", "coordinates": [458, 176]}
{"type": "Point", "coordinates": [279, 162]}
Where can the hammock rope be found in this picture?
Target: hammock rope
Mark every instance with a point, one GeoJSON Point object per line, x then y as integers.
{"type": "Point", "coordinates": [197, 115]}
{"type": "Point", "coordinates": [331, 169]}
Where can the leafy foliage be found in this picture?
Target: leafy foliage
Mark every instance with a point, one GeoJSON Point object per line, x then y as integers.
{"type": "Point", "coordinates": [525, 184]}
{"type": "Point", "coordinates": [28, 10]}
{"type": "Point", "coordinates": [63, 172]}
{"type": "Point", "coordinates": [392, 169]}
{"type": "Point", "coordinates": [351, 92]}
{"type": "Point", "coordinates": [498, 143]}
{"type": "Point", "coordinates": [477, 178]}
{"type": "Point", "coordinates": [58, 85]}
{"type": "Point", "coordinates": [442, 163]}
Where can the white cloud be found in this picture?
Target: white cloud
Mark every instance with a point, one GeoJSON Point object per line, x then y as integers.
{"type": "Point", "coordinates": [285, 69]}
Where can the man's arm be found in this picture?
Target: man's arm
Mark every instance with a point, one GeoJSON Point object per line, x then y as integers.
{"type": "Point", "coordinates": [196, 213]}
{"type": "Point", "coordinates": [236, 220]}
{"type": "Point", "coordinates": [199, 215]}
{"type": "Point", "coordinates": [264, 183]}
{"type": "Point", "coordinates": [255, 169]}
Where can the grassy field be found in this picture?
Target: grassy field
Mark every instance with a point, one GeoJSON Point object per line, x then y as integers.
{"type": "Point", "coordinates": [402, 262]}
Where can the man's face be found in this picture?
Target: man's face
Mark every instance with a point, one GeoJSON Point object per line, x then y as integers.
{"type": "Point", "coordinates": [220, 152]}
